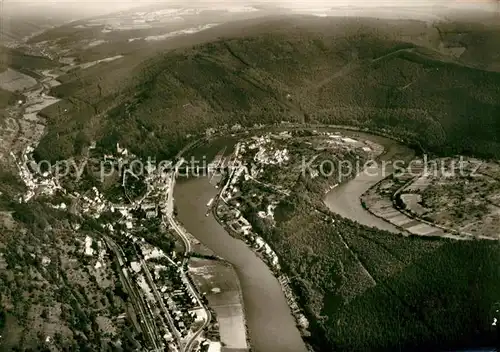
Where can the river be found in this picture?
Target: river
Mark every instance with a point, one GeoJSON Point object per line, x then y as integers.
{"type": "Point", "coordinates": [271, 326]}
{"type": "Point", "coordinates": [345, 199]}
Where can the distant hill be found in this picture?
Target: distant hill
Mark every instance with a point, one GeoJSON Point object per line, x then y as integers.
{"type": "Point", "coordinates": [395, 75]}
{"type": "Point", "coordinates": [434, 85]}
{"type": "Point", "coordinates": [24, 19]}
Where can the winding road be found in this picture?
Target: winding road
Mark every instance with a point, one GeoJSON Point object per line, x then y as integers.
{"type": "Point", "coordinates": [266, 308]}
{"type": "Point", "coordinates": [169, 218]}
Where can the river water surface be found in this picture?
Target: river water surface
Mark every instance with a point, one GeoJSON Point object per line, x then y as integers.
{"type": "Point", "coordinates": [271, 325]}
{"type": "Point", "coordinates": [345, 199]}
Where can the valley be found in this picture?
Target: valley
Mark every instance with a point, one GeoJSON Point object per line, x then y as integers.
{"type": "Point", "coordinates": [173, 179]}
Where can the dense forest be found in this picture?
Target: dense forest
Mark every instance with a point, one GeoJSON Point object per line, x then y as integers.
{"type": "Point", "coordinates": [368, 290]}
{"type": "Point", "coordinates": [341, 72]}
{"type": "Point", "coordinates": [18, 60]}
{"type": "Point", "coordinates": [363, 289]}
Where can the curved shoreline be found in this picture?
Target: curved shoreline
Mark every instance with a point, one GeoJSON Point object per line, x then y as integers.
{"type": "Point", "coordinates": [287, 290]}
{"type": "Point", "coordinates": [448, 233]}
{"type": "Point", "coordinates": [345, 199]}
{"type": "Point", "coordinates": [303, 331]}
{"type": "Point", "coordinates": [267, 314]}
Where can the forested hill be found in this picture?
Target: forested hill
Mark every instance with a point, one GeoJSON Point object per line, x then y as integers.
{"type": "Point", "coordinates": [404, 76]}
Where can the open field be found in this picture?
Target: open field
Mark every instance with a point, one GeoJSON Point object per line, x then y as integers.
{"type": "Point", "coordinates": [448, 197]}
{"type": "Point", "coordinates": [14, 81]}
{"type": "Point", "coordinates": [362, 289]}
{"type": "Point", "coordinates": [379, 202]}
{"type": "Point", "coordinates": [21, 123]}
{"type": "Point", "coordinates": [219, 283]}
{"type": "Point", "coordinates": [464, 202]}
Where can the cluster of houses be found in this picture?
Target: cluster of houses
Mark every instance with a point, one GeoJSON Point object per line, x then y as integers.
{"type": "Point", "coordinates": [95, 205]}
{"type": "Point", "coordinates": [266, 155]}
{"type": "Point", "coordinates": [292, 302]}
{"type": "Point", "coordinates": [180, 302]}
{"type": "Point", "coordinates": [36, 182]}
{"type": "Point", "coordinates": [228, 211]}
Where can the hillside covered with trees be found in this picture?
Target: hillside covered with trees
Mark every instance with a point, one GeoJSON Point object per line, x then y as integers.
{"type": "Point", "coordinates": [368, 290]}
{"type": "Point", "coordinates": [363, 289]}
{"type": "Point", "coordinates": [398, 76]}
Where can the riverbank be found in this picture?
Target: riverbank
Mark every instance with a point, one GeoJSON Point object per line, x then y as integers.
{"type": "Point", "coordinates": [381, 201]}
{"type": "Point", "coordinates": [271, 326]}
{"type": "Point", "coordinates": [269, 257]}
{"type": "Point", "coordinates": [392, 149]}
{"type": "Point", "coordinates": [218, 282]}
{"type": "Point", "coordinates": [344, 199]}
{"type": "Point", "coordinates": [257, 244]}
{"type": "Point", "coordinates": [24, 125]}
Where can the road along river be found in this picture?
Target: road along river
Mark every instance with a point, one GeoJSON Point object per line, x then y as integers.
{"type": "Point", "coordinates": [270, 323]}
